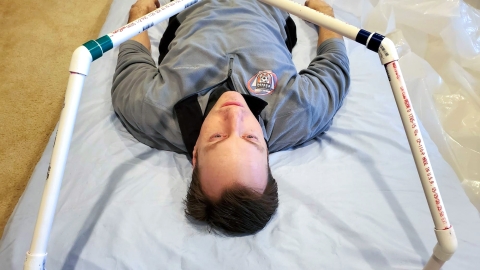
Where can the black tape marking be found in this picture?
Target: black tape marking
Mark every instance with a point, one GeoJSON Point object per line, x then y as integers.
{"type": "Point", "coordinates": [362, 36]}
{"type": "Point", "coordinates": [375, 42]}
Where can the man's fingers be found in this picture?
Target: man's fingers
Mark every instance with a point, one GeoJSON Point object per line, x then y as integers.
{"type": "Point", "coordinates": [320, 5]}
{"type": "Point", "coordinates": [149, 5]}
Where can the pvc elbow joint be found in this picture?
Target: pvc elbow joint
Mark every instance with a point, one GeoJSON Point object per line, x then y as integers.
{"type": "Point", "coordinates": [378, 43]}
{"type": "Point", "coordinates": [387, 51]}
{"type": "Point", "coordinates": [81, 60]}
{"type": "Point", "coordinates": [447, 244]}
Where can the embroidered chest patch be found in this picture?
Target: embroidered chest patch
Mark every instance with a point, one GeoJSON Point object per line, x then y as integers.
{"type": "Point", "coordinates": [263, 83]}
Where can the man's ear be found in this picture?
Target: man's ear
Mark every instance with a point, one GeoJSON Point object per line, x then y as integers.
{"type": "Point", "coordinates": [194, 158]}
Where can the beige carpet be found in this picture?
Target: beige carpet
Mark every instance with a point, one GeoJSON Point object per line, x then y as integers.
{"type": "Point", "coordinates": [37, 39]}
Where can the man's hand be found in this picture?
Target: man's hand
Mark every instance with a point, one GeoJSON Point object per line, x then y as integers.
{"type": "Point", "coordinates": [321, 6]}
{"type": "Point", "coordinates": [142, 8]}
{"type": "Point", "coordinates": [139, 9]}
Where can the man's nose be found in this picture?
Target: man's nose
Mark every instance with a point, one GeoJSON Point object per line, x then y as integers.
{"type": "Point", "coordinates": [235, 119]}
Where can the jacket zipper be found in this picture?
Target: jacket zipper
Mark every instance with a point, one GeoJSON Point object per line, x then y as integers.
{"type": "Point", "coordinates": [230, 67]}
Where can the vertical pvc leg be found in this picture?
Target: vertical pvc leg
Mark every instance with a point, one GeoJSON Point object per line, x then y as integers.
{"type": "Point", "coordinates": [79, 67]}
{"type": "Point", "coordinates": [447, 241]}
{"type": "Point", "coordinates": [417, 146]}
{"type": "Point", "coordinates": [35, 258]}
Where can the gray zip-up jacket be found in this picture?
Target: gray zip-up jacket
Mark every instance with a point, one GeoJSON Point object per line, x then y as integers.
{"type": "Point", "coordinates": [243, 40]}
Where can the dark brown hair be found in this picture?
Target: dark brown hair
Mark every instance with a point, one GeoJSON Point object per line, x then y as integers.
{"type": "Point", "coordinates": [239, 210]}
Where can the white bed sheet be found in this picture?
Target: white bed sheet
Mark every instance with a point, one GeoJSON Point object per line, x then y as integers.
{"type": "Point", "coordinates": [351, 199]}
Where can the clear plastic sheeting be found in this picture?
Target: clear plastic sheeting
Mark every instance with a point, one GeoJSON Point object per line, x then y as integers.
{"type": "Point", "coordinates": [439, 47]}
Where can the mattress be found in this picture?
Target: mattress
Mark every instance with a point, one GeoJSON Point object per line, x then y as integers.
{"type": "Point", "coordinates": [350, 199]}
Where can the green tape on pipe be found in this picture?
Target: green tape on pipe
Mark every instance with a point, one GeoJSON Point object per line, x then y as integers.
{"type": "Point", "coordinates": [106, 43]}
{"type": "Point", "coordinates": [98, 47]}
{"type": "Point", "coordinates": [94, 49]}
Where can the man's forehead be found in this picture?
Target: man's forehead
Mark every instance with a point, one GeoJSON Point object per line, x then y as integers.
{"type": "Point", "coordinates": [216, 177]}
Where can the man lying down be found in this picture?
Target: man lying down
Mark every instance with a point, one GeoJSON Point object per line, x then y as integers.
{"type": "Point", "coordinates": [226, 93]}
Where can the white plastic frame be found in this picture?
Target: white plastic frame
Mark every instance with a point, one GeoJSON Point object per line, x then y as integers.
{"type": "Point", "coordinates": [79, 67]}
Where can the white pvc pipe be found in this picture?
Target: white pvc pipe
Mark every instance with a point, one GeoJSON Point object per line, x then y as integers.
{"type": "Point", "coordinates": [136, 27]}
{"type": "Point", "coordinates": [417, 146]}
{"type": "Point", "coordinates": [447, 241]}
{"type": "Point", "coordinates": [35, 258]}
{"type": "Point", "coordinates": [79, 67]}
{"type": "Point", "coordinates": [318, 18]}
{"type": "Point", "coordinates": [389, 58]}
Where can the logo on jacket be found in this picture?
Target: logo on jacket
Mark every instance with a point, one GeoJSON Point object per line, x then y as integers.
{"type": "Point", "coordinates": [263, 83]}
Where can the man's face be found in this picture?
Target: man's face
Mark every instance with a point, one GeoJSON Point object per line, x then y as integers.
{"type": "Point", "coordinates": [231, 149]}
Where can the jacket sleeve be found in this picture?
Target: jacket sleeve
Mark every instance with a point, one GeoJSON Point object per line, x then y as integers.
{"type": "Point", "coordinates": [135, 74]}
{"type": "Point", "coordinates": [327, 79]}
{"type": "Point", "coordinates": [141, 99]}
{"type": "Point", "coordinates": [313, 98]}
